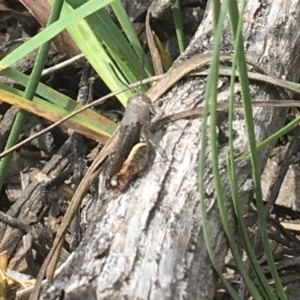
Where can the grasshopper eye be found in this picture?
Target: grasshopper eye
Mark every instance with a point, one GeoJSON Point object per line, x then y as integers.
{"type": "Point", "coordinates": [145, 100]}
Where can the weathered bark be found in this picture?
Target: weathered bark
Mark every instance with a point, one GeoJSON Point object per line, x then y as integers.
{"type": "Point", "coordinates": [147, 243]}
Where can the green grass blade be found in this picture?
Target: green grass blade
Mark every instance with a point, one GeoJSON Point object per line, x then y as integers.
{"type": "Point", "coordinates": [273, 138]}
{"type": "Point", "coordinates": [221, 200]}
{"type": "Point", "coordinates": [244, 81]}
{"type": "Point", "coordinates": [210, 94]}
{"type": "Point", "coordinates": [130, 33]}
{"type": "Point", "coordinates": [89, 123]}
{"type": "Point", "coordinates": [178, 25]}
{"type": "Point", "coordinates": [29, 92]}
{"type": "Point", "coordinates": [48, 33]}
{"type": "Point", "coordinates": [108, 50]}
{"type": "Point", "coordinates": [258, 272]}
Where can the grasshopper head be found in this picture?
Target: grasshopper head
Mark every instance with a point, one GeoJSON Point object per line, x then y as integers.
{"type": "Point", "coordinates": [143, 101]}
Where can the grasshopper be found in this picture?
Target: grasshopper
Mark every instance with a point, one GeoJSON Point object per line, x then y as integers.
{"type": "Point", "coordinates": [132, 149]}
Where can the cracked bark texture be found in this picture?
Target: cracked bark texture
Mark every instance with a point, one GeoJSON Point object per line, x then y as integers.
{"type": "Point", "coordinates": [147, 243]}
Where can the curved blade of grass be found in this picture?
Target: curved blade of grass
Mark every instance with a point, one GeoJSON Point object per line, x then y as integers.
{"type": "Point", "coordinates": [244, 81]}
{"type": "Point", "coordinates": [202, 165]}
{"type": "Point", "coordinates": [221, 200]}
{"type": "Point", "coordinates": [261, 280]}
{"type": "Point", "coordinates": [211, 98]}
